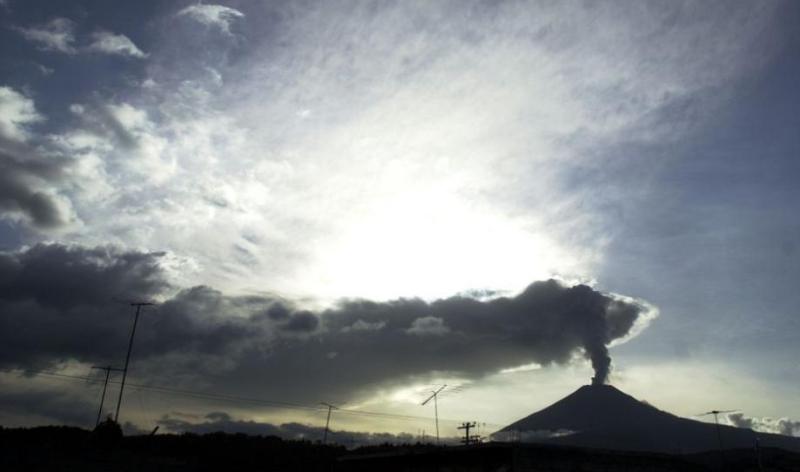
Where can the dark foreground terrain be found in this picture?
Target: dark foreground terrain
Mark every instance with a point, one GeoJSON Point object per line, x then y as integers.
{"type": "Point", "coordinates": [68, 449]}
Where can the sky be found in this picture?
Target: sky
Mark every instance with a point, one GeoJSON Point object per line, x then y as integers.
{"type": "Point", "coordinates": [358, 202]}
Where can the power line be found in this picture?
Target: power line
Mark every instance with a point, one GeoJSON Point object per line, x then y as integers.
{"type": "Point", "coordinates": [466, 426]}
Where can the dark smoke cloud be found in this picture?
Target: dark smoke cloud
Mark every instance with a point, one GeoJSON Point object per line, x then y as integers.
{"type": "Point", "coordinates": [57, 303]}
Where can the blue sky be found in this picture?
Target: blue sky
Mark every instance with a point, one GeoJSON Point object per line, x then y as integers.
{"type": "Point", "coordinates": [323, 151]}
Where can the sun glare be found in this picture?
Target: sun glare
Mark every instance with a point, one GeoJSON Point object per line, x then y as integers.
{"type": "Point", "coordinates": [431, 244]}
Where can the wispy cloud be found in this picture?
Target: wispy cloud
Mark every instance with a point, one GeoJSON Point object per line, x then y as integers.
{"type": "Point", "coordinates": [119, 44]}
{"type": "Point", "coordinates": [218, 16]}
{"type": "Point", "coordinates": [56, 35]}
{"type": "Point", "coordinates": [59, 35]}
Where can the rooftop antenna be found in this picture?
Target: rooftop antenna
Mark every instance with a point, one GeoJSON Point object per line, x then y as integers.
{"type": "Point", "coordinates": [138, 306]}
{"type": "Point", "coordinates": [327, 421]}
{"type": "Point", "coordinates": [435, 395]}
{"type": "Point", "coordinates": [716, 414]}
{"type": "Point", "coordinates": [108, 370]}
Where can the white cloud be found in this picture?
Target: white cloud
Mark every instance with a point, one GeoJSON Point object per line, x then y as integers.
{"type": "Point", "coordinates": [783, 426]}
{"type": "Point", "coordinates": [56, 35]}
{"type": "Point", "coordinates": [432, 159]}
{"type": "Point", "coordinates": [17, 112]}
{"type": "Point", "coordinates": [212, 15]}
{"type": "Point", "coordinates": [119, 44]}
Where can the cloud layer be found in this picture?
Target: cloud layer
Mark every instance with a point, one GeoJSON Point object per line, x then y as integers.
{"type": "Point", "coordinates": [61, 304]}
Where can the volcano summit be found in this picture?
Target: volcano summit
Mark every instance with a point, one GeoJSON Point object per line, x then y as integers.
{"type": "Point", "coordinates": [601, 416]}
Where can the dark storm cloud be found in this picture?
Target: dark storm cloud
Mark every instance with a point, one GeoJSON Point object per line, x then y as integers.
{"type": "Point", "coordinates": [63, 277]}
{"type": "Point", "coordinates": [57, 303]}
{"type": "Point", "coordinates": [303, 321]}
{"type": "Point", "coordinates": [60, 303]}
{"type": "Point", "coordinates": [54, 406]}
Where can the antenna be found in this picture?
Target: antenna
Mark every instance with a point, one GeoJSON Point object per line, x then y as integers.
{"type": "Point", "coordinates": [435, 395]}
{"type": "Point", "coordinates": [327, 421]}
{"type": "Point", "coordinates": [716, 414]}
{"type": "Point", "coordinates": [108, 370]}
{"type": "Point", "coordinates": [138, 306]}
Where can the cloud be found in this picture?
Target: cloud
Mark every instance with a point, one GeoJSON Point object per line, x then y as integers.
{"type": "Point", "coordinates": [223, 422]}
{"type": "Point", "coordinates": [59, 35]}
{"type": "Point", "coordinates": [29, 173]}
{"type": "Point", "coordinates": [783, 426]}
{"type": "Point", "coordinates": [118, 44]}
{"type": "Point", "coordinates": [212, 15]}
{"type": "Point", "coordinates": [17, 112]}
{"type": "Point", "coordinates": [428, 326]}
{"type": "Point", "coordinates": [56, 35]}
{"type": "Point", "coordinates": [362, 325]}
{"type": "Point", "coordinates": [352, 198]}
{"type": "Point", "coordinates": [60, 407]}
{"type": "Point", "coordinates": [59, 305]}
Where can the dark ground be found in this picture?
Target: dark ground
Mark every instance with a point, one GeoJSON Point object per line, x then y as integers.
{"type": "Point", "coordinates": [58, 448]}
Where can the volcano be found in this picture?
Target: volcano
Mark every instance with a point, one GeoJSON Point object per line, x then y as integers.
{"type": "Point", "coordinates": [601, 416]}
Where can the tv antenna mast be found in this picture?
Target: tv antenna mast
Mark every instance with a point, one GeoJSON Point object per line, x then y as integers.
{"type": "Point", "coordinates": [434, 396]}
{"type": "Point", "coordinates": [138, 306]}
{"type": "Point", "coordinates": [108, 370]}
{"type": "Point", "coordinates": [716, 414]}
{"type": "Point", "coordinates": [327, 421]}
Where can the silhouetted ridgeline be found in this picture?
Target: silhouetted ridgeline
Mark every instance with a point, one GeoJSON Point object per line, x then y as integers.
{"type": "Point", "coordinates": [66, 448]}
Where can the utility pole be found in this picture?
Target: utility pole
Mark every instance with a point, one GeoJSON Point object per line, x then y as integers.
{"type": "Point", "coordinates": [327, 421]}
{"type": "Point", "coordinates": [435, 396]}
{"type": "Point", "coordinates": [466, 426]}
{"type": "Point", "coordinates": [108, 370]}
{"type": "Point", "coordinates": [138, 306]}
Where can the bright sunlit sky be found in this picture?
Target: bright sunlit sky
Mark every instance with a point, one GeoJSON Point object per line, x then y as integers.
{"type": "Point", "coordinates": [313, 152]}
